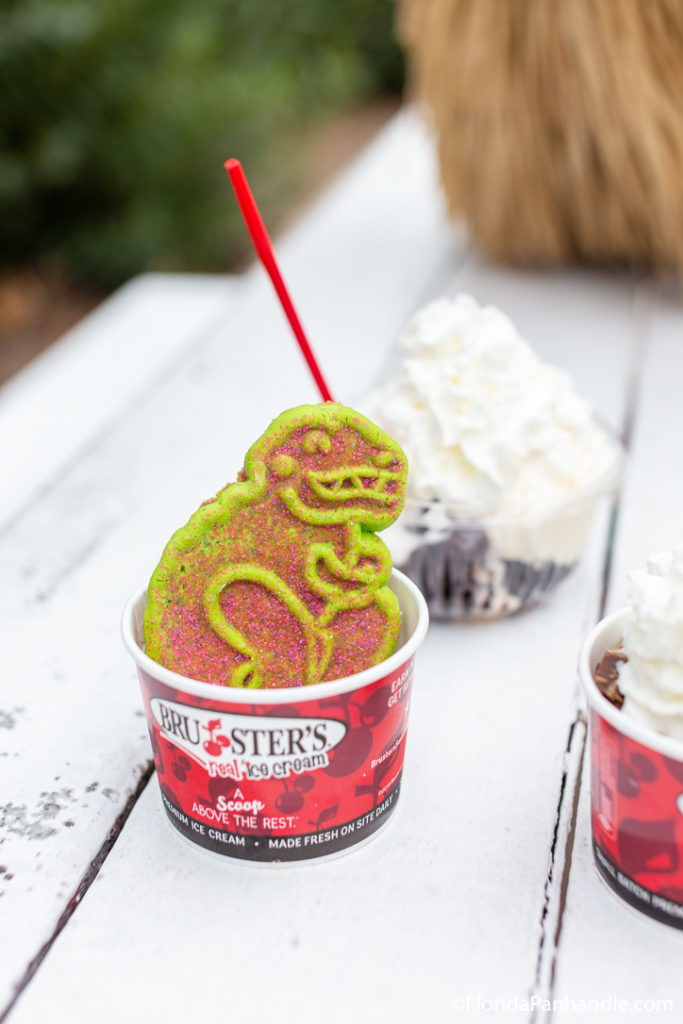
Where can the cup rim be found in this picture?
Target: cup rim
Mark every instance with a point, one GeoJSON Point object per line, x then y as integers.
{"type": "Point", "coordinates": [596, 644]}
{"type": "Point", "coordinates": [598, 486]}
{"type": "Point", "coordinates": [289, 695]}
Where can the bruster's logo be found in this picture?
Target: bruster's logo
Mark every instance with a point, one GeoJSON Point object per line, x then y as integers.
{"type": "Point", "coordinates": [248, 746]}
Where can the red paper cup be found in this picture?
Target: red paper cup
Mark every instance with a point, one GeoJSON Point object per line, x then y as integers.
{"type": "Point", "coordinates": [636, 795]}
{"type": "Point", "coordinates": [281, 775]}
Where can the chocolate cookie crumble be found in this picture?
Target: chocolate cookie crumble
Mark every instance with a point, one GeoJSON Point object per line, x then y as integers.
{"type": "Point", "coordinates": [606, 675]}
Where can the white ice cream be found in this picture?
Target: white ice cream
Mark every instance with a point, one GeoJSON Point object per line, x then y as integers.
{"type": "Point", "coordinates": [652, 678]}
{"type": "Point", "coordinates": [490, 430]}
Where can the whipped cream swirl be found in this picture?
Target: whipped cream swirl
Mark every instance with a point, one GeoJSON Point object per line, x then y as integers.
{"type": "Point", "coordinates": [487, 427]}
{"type": "Point", "coordinates": [652, 678]}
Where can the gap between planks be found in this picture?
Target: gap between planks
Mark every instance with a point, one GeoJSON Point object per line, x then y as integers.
{"type": "Point", "coordinates": [86, 881]}
{"type": "Point", "coordinates": [542, 991]}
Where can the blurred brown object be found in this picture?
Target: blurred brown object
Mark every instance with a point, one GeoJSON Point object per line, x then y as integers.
{"type": "Point", "coordinates": [35, 308]}
{"type": "Point", "coordinates": [560, 123]}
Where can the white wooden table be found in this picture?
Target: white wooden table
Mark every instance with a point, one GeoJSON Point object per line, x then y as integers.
{"type": "Point", "coordinates": [480, 899]}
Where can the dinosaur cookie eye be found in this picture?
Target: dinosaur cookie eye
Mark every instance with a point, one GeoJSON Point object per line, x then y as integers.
{"type": "Point", "coordinates": [384, 458]}
{"type": "Point", "coordinates": [317, 441]}
{"type": "Point", "coordinates": [282, 465]}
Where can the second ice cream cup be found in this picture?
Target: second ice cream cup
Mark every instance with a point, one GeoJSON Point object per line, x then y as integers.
{"type": "Point", "coordinates": [507, 463]}
{"type": "Point", "coordinates": [281, 774]}
{"type": "Point", "coordinates": [488, 568]}
{"type": "Point", "coordinates": [636, 795]}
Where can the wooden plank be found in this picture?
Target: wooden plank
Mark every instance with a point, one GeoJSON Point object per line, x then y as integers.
{"type": "Point", "coordinates": [608, 950]}
{"type": "Point", "coordinates": [370, 253]}
{"type": "Point", "coordinates": [651, 517]}
{"type": "Point", "coordinates": [77, 746]}
{"type": "Point", "coordinates": [450, 905]}
{"type": "Point", "coordinates": [59, 403]}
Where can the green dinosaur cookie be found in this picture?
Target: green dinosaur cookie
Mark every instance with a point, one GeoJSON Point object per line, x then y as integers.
{"type": "Point", "coordinates": [280, 579]}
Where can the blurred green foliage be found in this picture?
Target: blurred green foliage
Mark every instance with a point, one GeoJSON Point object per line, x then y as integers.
{"type": "Point", "coordinates": [116, 117]}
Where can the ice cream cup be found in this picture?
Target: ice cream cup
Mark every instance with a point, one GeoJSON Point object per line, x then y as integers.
{"type": "Point", "coordinates": [636, 795]}
{"type": "Point", "coordinates": [281, 774]}
{"type": "Point", "coordinates": [491, 567]}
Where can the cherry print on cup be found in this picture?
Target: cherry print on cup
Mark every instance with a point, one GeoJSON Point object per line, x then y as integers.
{"type": "Point", "coordinates": [285, 784]}
{"type": "Point", "coordinates": [637, 819]}
{"type": "Point", "coordinates": [636, 795]}
{"type": "Point", "coordinates": [216, 742]}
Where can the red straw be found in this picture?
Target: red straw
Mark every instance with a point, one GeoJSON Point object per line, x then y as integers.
{"type": "Point", "coordinates": [262, 244]}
